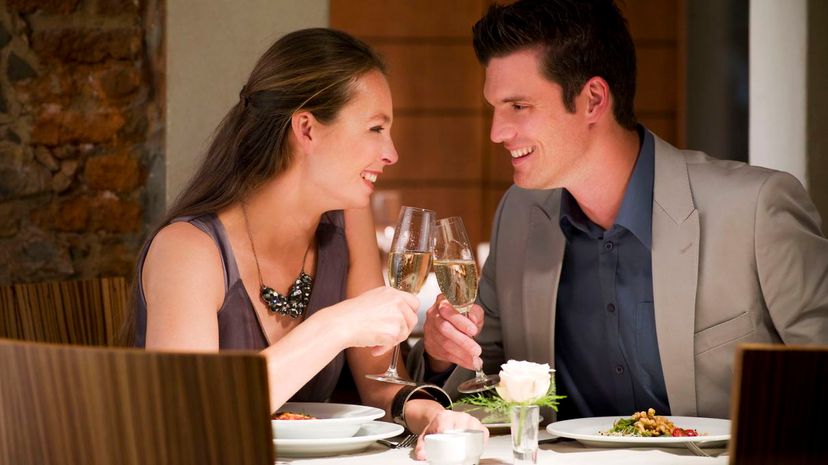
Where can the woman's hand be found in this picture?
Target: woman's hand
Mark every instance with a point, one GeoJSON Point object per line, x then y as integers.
{"type": "Point", "coordinates": [380, 318]}
{"type": "Point", "coordinates": [446, 420]}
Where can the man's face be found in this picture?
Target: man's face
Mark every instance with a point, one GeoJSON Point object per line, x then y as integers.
{"type": "Point", "coordinates": [546, 142]}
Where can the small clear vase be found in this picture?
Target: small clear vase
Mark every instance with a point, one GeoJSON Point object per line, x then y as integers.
{"type": "Point", "coordinates": [525, 420]}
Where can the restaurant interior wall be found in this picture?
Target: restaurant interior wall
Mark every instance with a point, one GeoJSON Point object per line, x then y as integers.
{"type": "Point", "coordinates": [80, 122]}
{"type": "Point", "coordinates": [86, 166]}
{"type": "Point", "coordinates": [817, 78]}
{"type": "Point", "coordinates": [212, 47]}
{"type": "Point", "coordinates": [717, 78]}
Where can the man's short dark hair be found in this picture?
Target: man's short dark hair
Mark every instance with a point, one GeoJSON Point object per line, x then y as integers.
{"type": "Point", "coordinates": [579, 39]}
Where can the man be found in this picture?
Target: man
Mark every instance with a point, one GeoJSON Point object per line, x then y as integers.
{"type": "Point", "coordinates": [634, 267]}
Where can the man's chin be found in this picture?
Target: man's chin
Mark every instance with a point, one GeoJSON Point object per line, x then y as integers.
{"type": "Point", "coordinates": [526, 182]}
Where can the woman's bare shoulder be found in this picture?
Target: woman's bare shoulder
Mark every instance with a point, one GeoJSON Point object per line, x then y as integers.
{"type": "Point", "coordinates": [181, 249]}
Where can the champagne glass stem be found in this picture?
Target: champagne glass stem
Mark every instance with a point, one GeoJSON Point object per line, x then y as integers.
{"type": "Point", "coordinates": [481, 381]}
{"type": "Point", "coordinates": [478, 372]}
{"type": "Point", "coordinates": [392, 368]}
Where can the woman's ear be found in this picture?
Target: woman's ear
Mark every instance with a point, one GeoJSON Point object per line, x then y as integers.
{"type": "Point", "coordinates": [597, 96]}
{"type": "Point", "coordinates": [304, 128]}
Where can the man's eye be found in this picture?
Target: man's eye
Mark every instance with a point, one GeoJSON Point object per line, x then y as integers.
{"type": "Point", "coordinates": [378, 129]}
{"type": "Point", "coordinates": [517, 106]}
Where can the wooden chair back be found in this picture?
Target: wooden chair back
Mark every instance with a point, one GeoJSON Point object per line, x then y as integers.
{"type": "Point", "coordinates": [779, 405]}
{"type": "Point", "coordinates": [73, 405]}
{"type": "Point", "coordinates": [86, 312]}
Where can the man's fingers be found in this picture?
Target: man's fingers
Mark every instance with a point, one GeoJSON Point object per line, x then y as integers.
{"type": "Point", "coordinates": [454, 347]}
{"type": "Point", "coordinates": [476, 315]}
{"type": "Point", "coordinates": [460, 321]}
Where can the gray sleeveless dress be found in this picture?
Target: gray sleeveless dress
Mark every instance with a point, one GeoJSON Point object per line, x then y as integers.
{"type": "Point", "coordinates": [239, 328]}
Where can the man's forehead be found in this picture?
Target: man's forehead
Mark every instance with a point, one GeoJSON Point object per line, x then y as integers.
{"type": "Point", "coordinates": [507, 74]}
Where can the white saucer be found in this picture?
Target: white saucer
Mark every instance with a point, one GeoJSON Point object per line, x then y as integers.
{"type": "Point", "coordinates": [367, 434]}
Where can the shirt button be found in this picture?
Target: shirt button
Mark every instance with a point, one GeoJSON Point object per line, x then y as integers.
{"type": "Point", "coordinates": [610, 308]}
{"type": "Point", "coordinates": [619, 369]}
{"type": "Point", "coordinates": [609, 245]}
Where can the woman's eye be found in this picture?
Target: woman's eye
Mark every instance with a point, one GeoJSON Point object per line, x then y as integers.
{"type": "Point", "coordinates": [378, 129]}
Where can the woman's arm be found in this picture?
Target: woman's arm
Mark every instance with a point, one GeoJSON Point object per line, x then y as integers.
{"type": "Point", "coordinates": [184, 288]}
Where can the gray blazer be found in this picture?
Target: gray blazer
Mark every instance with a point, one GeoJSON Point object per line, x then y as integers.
{"type": "Point", "coordinates": [737, 253]}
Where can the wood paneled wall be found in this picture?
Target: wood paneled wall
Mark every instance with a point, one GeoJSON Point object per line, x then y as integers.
{"type": "Point", "coordinates": [441, 128]}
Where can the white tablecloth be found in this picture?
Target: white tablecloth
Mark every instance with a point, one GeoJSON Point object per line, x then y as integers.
{"type": "Point", "coordinates": [499, 451]}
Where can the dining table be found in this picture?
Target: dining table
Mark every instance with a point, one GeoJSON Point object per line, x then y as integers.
{"type": "Point", "coordinates": [552, 450]}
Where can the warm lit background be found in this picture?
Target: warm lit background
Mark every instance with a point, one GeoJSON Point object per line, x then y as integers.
{"type": "Point", "coordinates": [106, 105]}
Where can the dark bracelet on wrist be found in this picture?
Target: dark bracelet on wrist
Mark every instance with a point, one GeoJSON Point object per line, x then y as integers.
{"type": "Point", "coordinates": [421, 391]}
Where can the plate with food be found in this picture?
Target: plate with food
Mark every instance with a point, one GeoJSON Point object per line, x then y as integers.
{"type": "Point", "coordinates": [644, 429]}
{"type": "Point", "coordinates": [365, 435]}
{"type": "Point", "coordinates": [319, 420]}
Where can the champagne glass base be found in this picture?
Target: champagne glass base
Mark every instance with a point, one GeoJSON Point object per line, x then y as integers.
{"type": "Point", "coordinates": [391, 378]}
{"type": "Point", "coordinates": [479, 384]}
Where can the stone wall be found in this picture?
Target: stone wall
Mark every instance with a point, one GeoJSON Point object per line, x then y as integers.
{"type": "Point", "coordinates": [81, 108]}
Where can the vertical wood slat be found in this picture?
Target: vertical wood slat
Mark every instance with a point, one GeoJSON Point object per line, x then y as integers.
{"type": "Point", "coordinates": [779, 405]}
{"type": "Point", "coordinates": [70, 405]}
{"type": "Point", "coordinates": [9, 320]}
{"type": "Point", "coordinates": [86, 312]}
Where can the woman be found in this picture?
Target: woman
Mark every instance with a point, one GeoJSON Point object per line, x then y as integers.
{"type": "Point", "coordinates": [271, 246]}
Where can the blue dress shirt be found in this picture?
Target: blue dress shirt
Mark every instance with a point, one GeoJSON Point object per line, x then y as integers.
{"type": "Point", "coordinates": [606, 349]}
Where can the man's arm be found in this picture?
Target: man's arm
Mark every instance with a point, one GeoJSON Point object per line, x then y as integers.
{"type": "Point", "coordinates": [792, 261]}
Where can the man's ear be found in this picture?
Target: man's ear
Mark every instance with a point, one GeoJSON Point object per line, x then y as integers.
{"type": "Point", "coordinates": [303, 125]}
{"type": "Point", "coordinates": [596, 94]}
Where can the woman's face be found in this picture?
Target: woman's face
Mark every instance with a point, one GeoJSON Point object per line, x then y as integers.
{"type": "Point", "coordinates": [349, 154]}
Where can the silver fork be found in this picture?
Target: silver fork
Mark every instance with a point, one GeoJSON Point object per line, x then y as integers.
{"type": "Point", "coordinates": [407, 441]}
{"type": "Point", "coordinates": [695, 449]}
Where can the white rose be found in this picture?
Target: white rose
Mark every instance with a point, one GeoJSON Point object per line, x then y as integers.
{"type": "Point", "coordinates": [523, 381]}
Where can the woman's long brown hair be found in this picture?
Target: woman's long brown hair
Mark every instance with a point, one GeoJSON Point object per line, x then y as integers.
{"type": "Point", "coordinates": [312, 70]}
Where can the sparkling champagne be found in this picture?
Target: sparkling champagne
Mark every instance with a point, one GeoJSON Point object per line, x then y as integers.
{"type": "Point", "coordinates": [408, 271]}
{"type": "Point", "coordinates": [458, 281]}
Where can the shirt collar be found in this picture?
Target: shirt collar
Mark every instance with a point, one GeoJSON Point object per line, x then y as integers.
{"type": "Point", "coordinates": [636, 212]}
{"type": "Point", "coordinates": [573, 217]}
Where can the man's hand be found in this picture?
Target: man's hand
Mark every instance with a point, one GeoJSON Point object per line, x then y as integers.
{"type": "Point", "coordinates": [448, 336]}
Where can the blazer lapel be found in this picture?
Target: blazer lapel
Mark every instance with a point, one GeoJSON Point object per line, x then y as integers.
{"type": "Point", "coordinates": [675, 255]}
{"type": "Point", "coordinates": [542, 271]}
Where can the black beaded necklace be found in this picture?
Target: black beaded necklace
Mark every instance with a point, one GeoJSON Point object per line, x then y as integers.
{"type": "Point", "coordinates": [296, 301]}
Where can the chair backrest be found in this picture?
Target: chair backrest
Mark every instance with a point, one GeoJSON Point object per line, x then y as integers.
{"type": "Point", "coordinates": [780, 405]}
{"type": "Point", "coordinates": [86, 312]}
{"type": "Point", "coordinates": [73, 405]}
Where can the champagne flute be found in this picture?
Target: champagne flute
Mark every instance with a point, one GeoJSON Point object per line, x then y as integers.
{"type": "Point", "coordinates": [409, 261]}
{"type": "Point", "coordinates": [456, 273]}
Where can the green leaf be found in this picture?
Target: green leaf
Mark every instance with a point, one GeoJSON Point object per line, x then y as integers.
{"type": "Point", "coordinates": [492, 402]}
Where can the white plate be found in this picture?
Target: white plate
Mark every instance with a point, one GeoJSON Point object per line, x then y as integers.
{"type": "Point", "coordinates": [332, 420]}
{"type": "Point", "coordinates": [365, 436]}
{"type": "Point", "coordinates": [712, 432]}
